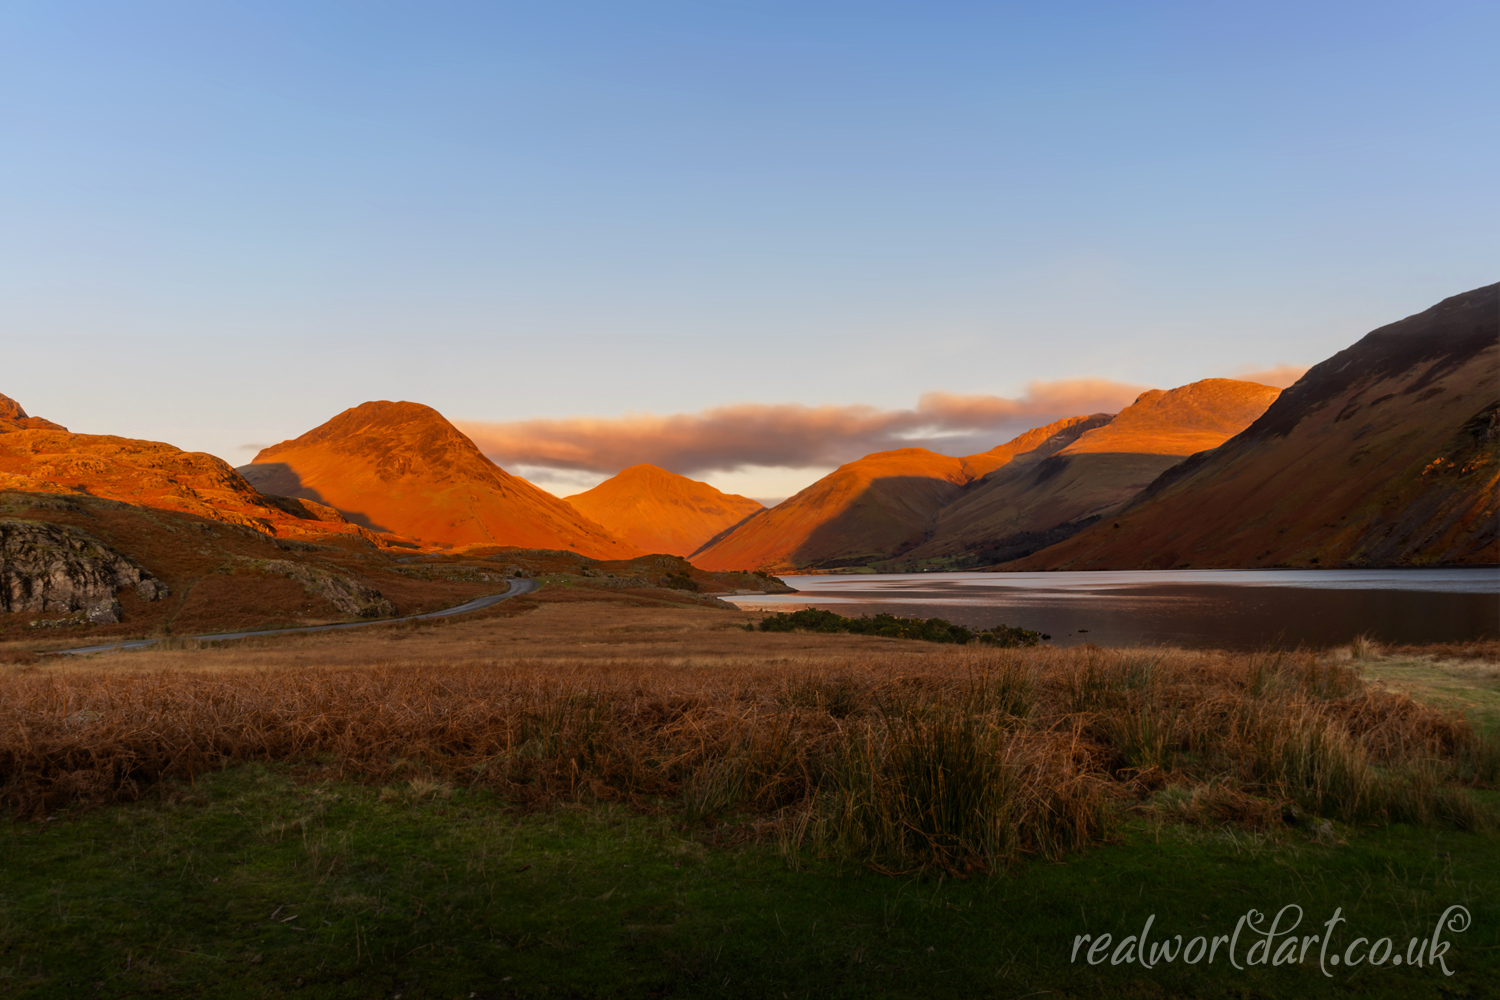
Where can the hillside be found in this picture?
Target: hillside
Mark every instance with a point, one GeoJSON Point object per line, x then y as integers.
{"type": "Point", "coordinates": [873, 508]}
{"type": "Point", "coordinates": [1383, 455]}
{"type": "Point", "coordinates": [39, 456]}
{"type": "Point", "coordinates": [401, 467]}
{"type": "Point", "coordinates": [660, 511]}
{"type": "Point", "coordinates": [1024, 506]}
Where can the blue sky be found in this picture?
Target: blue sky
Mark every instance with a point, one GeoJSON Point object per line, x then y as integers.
{"type": "Point", "coordinates": [225, 222]}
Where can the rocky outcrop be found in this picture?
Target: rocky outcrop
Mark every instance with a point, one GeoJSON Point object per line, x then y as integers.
{"type": "Point", "coordinates": [55, 567]}
{"type": "Point", "coordinates": [14, 418]}
{"type": "Point", "coordinates": [343, 592]}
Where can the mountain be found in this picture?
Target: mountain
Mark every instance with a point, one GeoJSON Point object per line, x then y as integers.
{"type": "Point", "coordinates": [660, 511]}
{"type": "Point", "coordinates": [401, 467]}
{"type": "Point", "coordinates": [1025, 506]}
{"type": "Point", "coordinates": [1386, 454]}
{"type": "Point", "coordinates": [39, 456]}
{"type": "Point", "coordinates": [112, 536]}
{"type": "Point", "coordinates": [873, 508]}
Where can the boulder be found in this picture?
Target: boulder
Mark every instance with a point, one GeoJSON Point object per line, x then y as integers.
{"type": "Point", "coordinates": [151, 590]}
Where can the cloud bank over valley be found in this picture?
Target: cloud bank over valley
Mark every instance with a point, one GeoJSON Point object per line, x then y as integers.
{"type": "Point", "coordinates": [766, 447]}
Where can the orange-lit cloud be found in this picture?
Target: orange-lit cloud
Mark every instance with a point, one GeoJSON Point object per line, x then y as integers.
{"type": "Point", "coordinates": [727, 438]}
{"type": "Point", "coordinates": [1280, 376]}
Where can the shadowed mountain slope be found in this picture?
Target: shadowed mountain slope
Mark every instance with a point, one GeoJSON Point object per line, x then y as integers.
{"type": "Point", "coordinates": [660, 511]}
{"type": "Point", "coordinates": [402, 467]}
{"type": "Point", "coordinates": [873, 508]}
{"type": "Point", "coordinates": [1025, 506]}
{"type": "Point", "coordinates": [1383, 455]}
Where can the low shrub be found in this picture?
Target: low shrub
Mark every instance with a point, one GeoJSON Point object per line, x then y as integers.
{"type": "Point", "coordinates": [897, 627]}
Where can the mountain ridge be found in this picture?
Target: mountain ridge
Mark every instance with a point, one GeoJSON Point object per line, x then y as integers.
{"type": "Point", "coordinates": [874, 507]}
{"type": "Point", "coordinates": [1021, 508]}
{"type": "Point", "coordinates": [402, 467]}
{"type": "Point", "coordinates": [1386, 454]}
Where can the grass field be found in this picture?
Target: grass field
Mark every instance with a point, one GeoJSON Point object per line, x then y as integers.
{"type": "Point", "coordinates": [254, 884]}
{"type": "Point", "coordinates": [657, 803]}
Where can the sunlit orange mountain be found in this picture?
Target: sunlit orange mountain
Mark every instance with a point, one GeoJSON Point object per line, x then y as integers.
{"type": "Point", "coordinates": [112, 537]}
{"type": "Point", "coordinates": [873, 508]}
{"type": "Point", "coordinates": [1386, 454]}
{"type": "Point", "coordinates": [660, 511]}
{"type": "Point", "coordinates": [39, 456]}
{"type": "Point", "coordinates": [1022, 507]}
{"type": "Point", "coordinates": [401, 467]}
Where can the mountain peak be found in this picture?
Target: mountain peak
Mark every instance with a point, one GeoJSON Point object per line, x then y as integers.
{"type": "Point", "coordinates": [402, 467]}
{"type": "Point", "coordinates": [661, 511]}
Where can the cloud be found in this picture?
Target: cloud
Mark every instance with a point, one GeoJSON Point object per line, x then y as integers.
{"type": "Point", "coordinates": [789, 435]}
{"type": "Point", "coordinates": [1280, 376]}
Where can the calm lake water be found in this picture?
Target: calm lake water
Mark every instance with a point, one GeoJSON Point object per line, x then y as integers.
{"type": "Point", "coordinates": [1227, 609]}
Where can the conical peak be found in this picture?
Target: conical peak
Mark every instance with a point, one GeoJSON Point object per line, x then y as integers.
{"type": "Point", "coordinates": [380, 414]}
{"type": "Point", "coordinates": [661, 511]}
{"type": "Point", "coordinates": [646, 472]}
{"type": "Point", "coordinates": [397, 435]}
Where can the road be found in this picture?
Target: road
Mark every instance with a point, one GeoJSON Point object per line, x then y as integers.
{"type": "Point", "coordinates": [477, 604]}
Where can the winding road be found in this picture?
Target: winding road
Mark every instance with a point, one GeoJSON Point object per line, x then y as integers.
{"type": "Point", "coordinates": [517, 587]}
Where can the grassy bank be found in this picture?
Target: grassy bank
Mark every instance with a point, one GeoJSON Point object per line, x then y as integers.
{"type": "Point", "coordinates": [253, 884]}
{"type": "Point", "coordinates": [944, 822]}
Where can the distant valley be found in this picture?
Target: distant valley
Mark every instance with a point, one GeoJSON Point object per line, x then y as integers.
{"type": "Point", "coordinates": [1383, 455]}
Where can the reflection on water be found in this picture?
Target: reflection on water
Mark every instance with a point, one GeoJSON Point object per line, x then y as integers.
{"type": "Point", "coordinates": [1228, 609]}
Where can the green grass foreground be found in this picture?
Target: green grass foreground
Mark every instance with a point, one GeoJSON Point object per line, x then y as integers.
{"type": "Point", "coordinates": [251, 884]}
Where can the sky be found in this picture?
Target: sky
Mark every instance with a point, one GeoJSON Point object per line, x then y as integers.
{"type": "Point", "coordinates": [749, 239]}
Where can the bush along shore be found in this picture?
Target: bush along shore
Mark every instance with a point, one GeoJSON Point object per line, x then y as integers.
{"type": "Point", "coordinates": [896, 627]}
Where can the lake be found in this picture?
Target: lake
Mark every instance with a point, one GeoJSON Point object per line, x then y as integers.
{"type": "Point", "coordinates": [1227, 609]}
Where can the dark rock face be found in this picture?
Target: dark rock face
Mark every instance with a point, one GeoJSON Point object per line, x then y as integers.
{"type": "Point", "coordinates": [54, 567]}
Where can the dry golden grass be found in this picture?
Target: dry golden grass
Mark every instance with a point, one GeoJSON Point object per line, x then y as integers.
{"type": "Point", "coordinates": [904, 754]}
{"type": "Point", "coordinates": [555, 623]}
